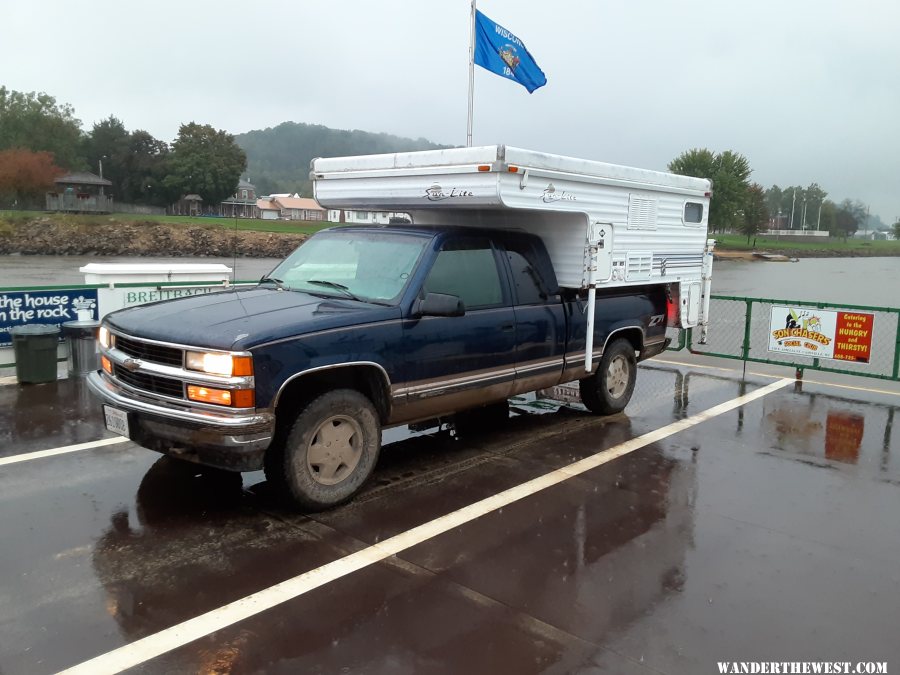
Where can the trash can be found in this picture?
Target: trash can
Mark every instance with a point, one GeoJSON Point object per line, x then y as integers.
{"type": "Point", "coordinates": [81, 338]}
{"type": "Point", "coordinates": [35, 349]}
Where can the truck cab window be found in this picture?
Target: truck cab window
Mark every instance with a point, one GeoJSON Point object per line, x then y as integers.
{"type": "Point", "coordinates": [530, 284]}
{"type": "Point", "coordinates": [467, 268]}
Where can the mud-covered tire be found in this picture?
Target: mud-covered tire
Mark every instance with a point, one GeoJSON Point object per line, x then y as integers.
{"type": "Point", "coordinates": [609, 389]}
{"type": "Point", "coordinates": [328, 453]}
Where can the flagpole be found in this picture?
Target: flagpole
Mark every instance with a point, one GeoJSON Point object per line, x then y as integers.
{"type": "Point", "coordinates": [471, 75]}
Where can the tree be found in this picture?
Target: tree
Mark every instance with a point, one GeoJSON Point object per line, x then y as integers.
{"type": "Point", "coordinates": [828, 220]}
{"type": "Point", "coordinates": [756, 212]}
{"type": "Point", "coordinates": [25, 176]}
{"type": "Point", "coordinates": [134, 161]}
{"type": "Point", "coordinates": [107, 142]}
{"type": "Point", "coordinates": [802, 202]}
{"type": "Point", "coordinates": [896, 229]}
{"type": "Point", "coordinates": [36, 122]}
{"type": "Point", "coordinates": [729, 172]}
{"type": "Point", "coordinates": [278, 158]}
{"type": "Point", "coordinates": [204, 161]}
{"type": "Point", "coordinates": [848, 217]}
{"type": "Point", "coordinates": [144, 170]}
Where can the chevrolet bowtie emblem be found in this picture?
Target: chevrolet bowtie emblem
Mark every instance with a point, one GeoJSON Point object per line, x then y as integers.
{"type": "Point", "coordinates": [131, 364]}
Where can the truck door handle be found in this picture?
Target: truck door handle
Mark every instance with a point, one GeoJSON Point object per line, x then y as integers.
{"type": "Point", "coordinates": [506, 327]}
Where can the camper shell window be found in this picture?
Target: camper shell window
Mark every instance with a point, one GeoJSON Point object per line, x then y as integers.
{"type": "Point", "coordinates": [693, 212]}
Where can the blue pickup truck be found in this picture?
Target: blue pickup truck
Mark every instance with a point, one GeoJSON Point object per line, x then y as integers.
{"type": "Point", "coordinates": [359, 329]}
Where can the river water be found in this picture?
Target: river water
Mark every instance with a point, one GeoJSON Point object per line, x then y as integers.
{"type": "Point", "coordinates": [858, 281]}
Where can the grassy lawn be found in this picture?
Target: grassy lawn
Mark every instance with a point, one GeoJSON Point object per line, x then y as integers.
{"type": "Point", "coordinates": [250, 224]}
{"type": "Point", "coordinates": [738, 242]}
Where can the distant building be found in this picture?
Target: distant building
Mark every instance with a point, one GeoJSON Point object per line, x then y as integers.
{"type": "Point", "coordinates": [242, 204]}
{"type": "Point", "coordinates": [299, 208]}
{"type": "Point", "coordinates": [80, 192]}
{"type": "Point", "coordinates": [871, 235]}
{"type": "Point", "coordinates": [268, 209]}
{"type": "Point", "coordinates": [189, 205]}
{"type": "Point", "coordinates": [365, 217]}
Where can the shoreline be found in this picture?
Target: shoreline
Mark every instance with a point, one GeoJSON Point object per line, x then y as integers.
{"type": "Point", "coordinates": [51, 234]}
{"type": "Point", "coordinates": [725, 255]}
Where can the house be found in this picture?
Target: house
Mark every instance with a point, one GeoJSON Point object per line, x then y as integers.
{"type": "Point", "coordinates": [80, 192]}
{"type": "Point", "coordinates": [871, 235]}
{"type": "Point", "coordinates": [268, 209]}
{"type": "Point", "coordinates": [242, 204]}
{"type": "Point", "coordinates": [299, 208]}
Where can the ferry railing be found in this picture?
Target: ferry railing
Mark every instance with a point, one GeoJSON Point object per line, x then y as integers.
{"type": "Point", "coordinates": [863, 340]}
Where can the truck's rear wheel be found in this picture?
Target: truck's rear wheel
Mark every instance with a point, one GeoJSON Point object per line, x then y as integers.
{"type": "Point", "coordinates": [329, 452]}
{"type": "Point", "coordinates": [609, 389]}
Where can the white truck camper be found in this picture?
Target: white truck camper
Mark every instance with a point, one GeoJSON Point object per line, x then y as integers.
{"type": "Point", "coordinates": [603, 225]}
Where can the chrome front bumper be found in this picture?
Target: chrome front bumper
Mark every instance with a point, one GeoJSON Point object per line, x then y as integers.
{"type": "Point", "coordinates": [229, 440]}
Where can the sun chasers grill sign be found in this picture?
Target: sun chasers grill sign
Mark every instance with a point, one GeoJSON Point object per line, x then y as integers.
{"type": "Point", "coordinates": [818, 333]}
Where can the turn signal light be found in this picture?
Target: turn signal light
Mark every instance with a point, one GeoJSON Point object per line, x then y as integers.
{"type": "Point", "coordinates": [484, 167]}
{"type": "Point", "coordinates": [237, 398]}
{"type": "Point", "coordinates": [242, 365]}
{"type": "Point", "coordinates": [513, 169]}
{"type": "Point", "coordinates": [107, 365]}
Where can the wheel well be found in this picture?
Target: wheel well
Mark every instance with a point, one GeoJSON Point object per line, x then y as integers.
{"type": "Point", "coordinates": [634, 335]}
{"type": "Point", "coordinates": [368, 380]}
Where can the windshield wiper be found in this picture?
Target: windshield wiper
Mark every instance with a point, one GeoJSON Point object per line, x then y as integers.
{"type": "Point", "coordinates": [278, 283]}
{"type": "Point", "coordinates": [334, 284]}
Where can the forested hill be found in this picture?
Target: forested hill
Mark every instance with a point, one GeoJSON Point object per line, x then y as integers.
{"type": "Point", "coordinates": [278, 158]}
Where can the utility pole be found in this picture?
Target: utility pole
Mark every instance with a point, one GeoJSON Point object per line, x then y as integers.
{"type": "Point", "coordinates": [819, 219]}
{"type": "Point", "coordinates": [803, 219]}
{"type": "Point", "coordinates": [793, 201]}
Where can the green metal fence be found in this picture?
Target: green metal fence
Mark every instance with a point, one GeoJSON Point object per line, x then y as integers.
{"type": "Point", "coordinates": [743, 329]}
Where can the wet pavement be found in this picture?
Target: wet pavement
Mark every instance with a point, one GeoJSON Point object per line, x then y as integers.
{"type": "Point", "coordinates": [770, 532]}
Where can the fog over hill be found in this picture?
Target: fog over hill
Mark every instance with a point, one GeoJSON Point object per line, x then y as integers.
{"type": "Point", "coordinates": [278, 158]}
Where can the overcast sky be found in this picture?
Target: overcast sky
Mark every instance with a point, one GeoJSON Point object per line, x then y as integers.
{"type": "Point", "coordinates": [807, 90]}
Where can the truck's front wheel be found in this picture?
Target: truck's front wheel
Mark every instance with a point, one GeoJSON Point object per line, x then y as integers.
{"type": "Point", "coordinates": [329, 452]}
{"type": "Point", "coordinates": [609, 389]}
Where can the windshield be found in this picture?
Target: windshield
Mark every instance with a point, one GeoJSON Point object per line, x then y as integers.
{"type": "Point", "coordinates": [367, 266]}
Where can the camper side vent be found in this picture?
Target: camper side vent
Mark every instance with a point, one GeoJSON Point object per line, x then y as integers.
{"type": "Point", "coordinates": [638, 266]}
{"type": "Point", "coordinates": [642, 213]}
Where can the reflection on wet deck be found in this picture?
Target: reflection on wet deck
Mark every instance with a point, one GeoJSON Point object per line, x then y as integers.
{"type": "Point", "coordinates": [767, 533]}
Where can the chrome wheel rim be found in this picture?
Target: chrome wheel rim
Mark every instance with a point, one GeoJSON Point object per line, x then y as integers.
{"type": "Point", "coordinates": [334, 450]}
{"type": "Point", "coordinates": [617, 376]}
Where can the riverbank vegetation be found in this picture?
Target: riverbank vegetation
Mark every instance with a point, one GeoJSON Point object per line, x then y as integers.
{"type": "Point", "coordinates": [829, 247]}
{"type": "Point", "coordinates": [739, 205]}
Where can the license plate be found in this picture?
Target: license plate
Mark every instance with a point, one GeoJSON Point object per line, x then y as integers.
{"type": "Point", "coordinates": [116, 420]}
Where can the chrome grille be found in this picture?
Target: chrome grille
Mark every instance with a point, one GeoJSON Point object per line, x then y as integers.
{"type": "Point", "coordinates": [170, 356]}
{"type": "Point", "coordinates": [165, 386]}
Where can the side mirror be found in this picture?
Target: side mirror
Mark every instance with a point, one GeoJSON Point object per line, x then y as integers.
{"type": "Point", "coordinates": [440, 304]}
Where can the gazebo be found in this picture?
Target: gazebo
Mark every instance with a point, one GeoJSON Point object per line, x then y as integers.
{"type": "Point", "coordinates": [80, 192]}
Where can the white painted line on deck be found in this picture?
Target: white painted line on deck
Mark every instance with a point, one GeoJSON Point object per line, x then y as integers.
{"type": "Point", "coordinates": [65, 449]}
{"type": "Point", "coordinates": [720, 368]}
{"type": "Point", "coordinates": [141, 651]}
{"type": "Point", "coordinates": [871, 390]}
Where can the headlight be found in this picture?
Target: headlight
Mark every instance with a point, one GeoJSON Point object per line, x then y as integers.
{"type": "Point", "coordinates": [104, 337]}
{"type": "Point", "coordinates": [219, 364]}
